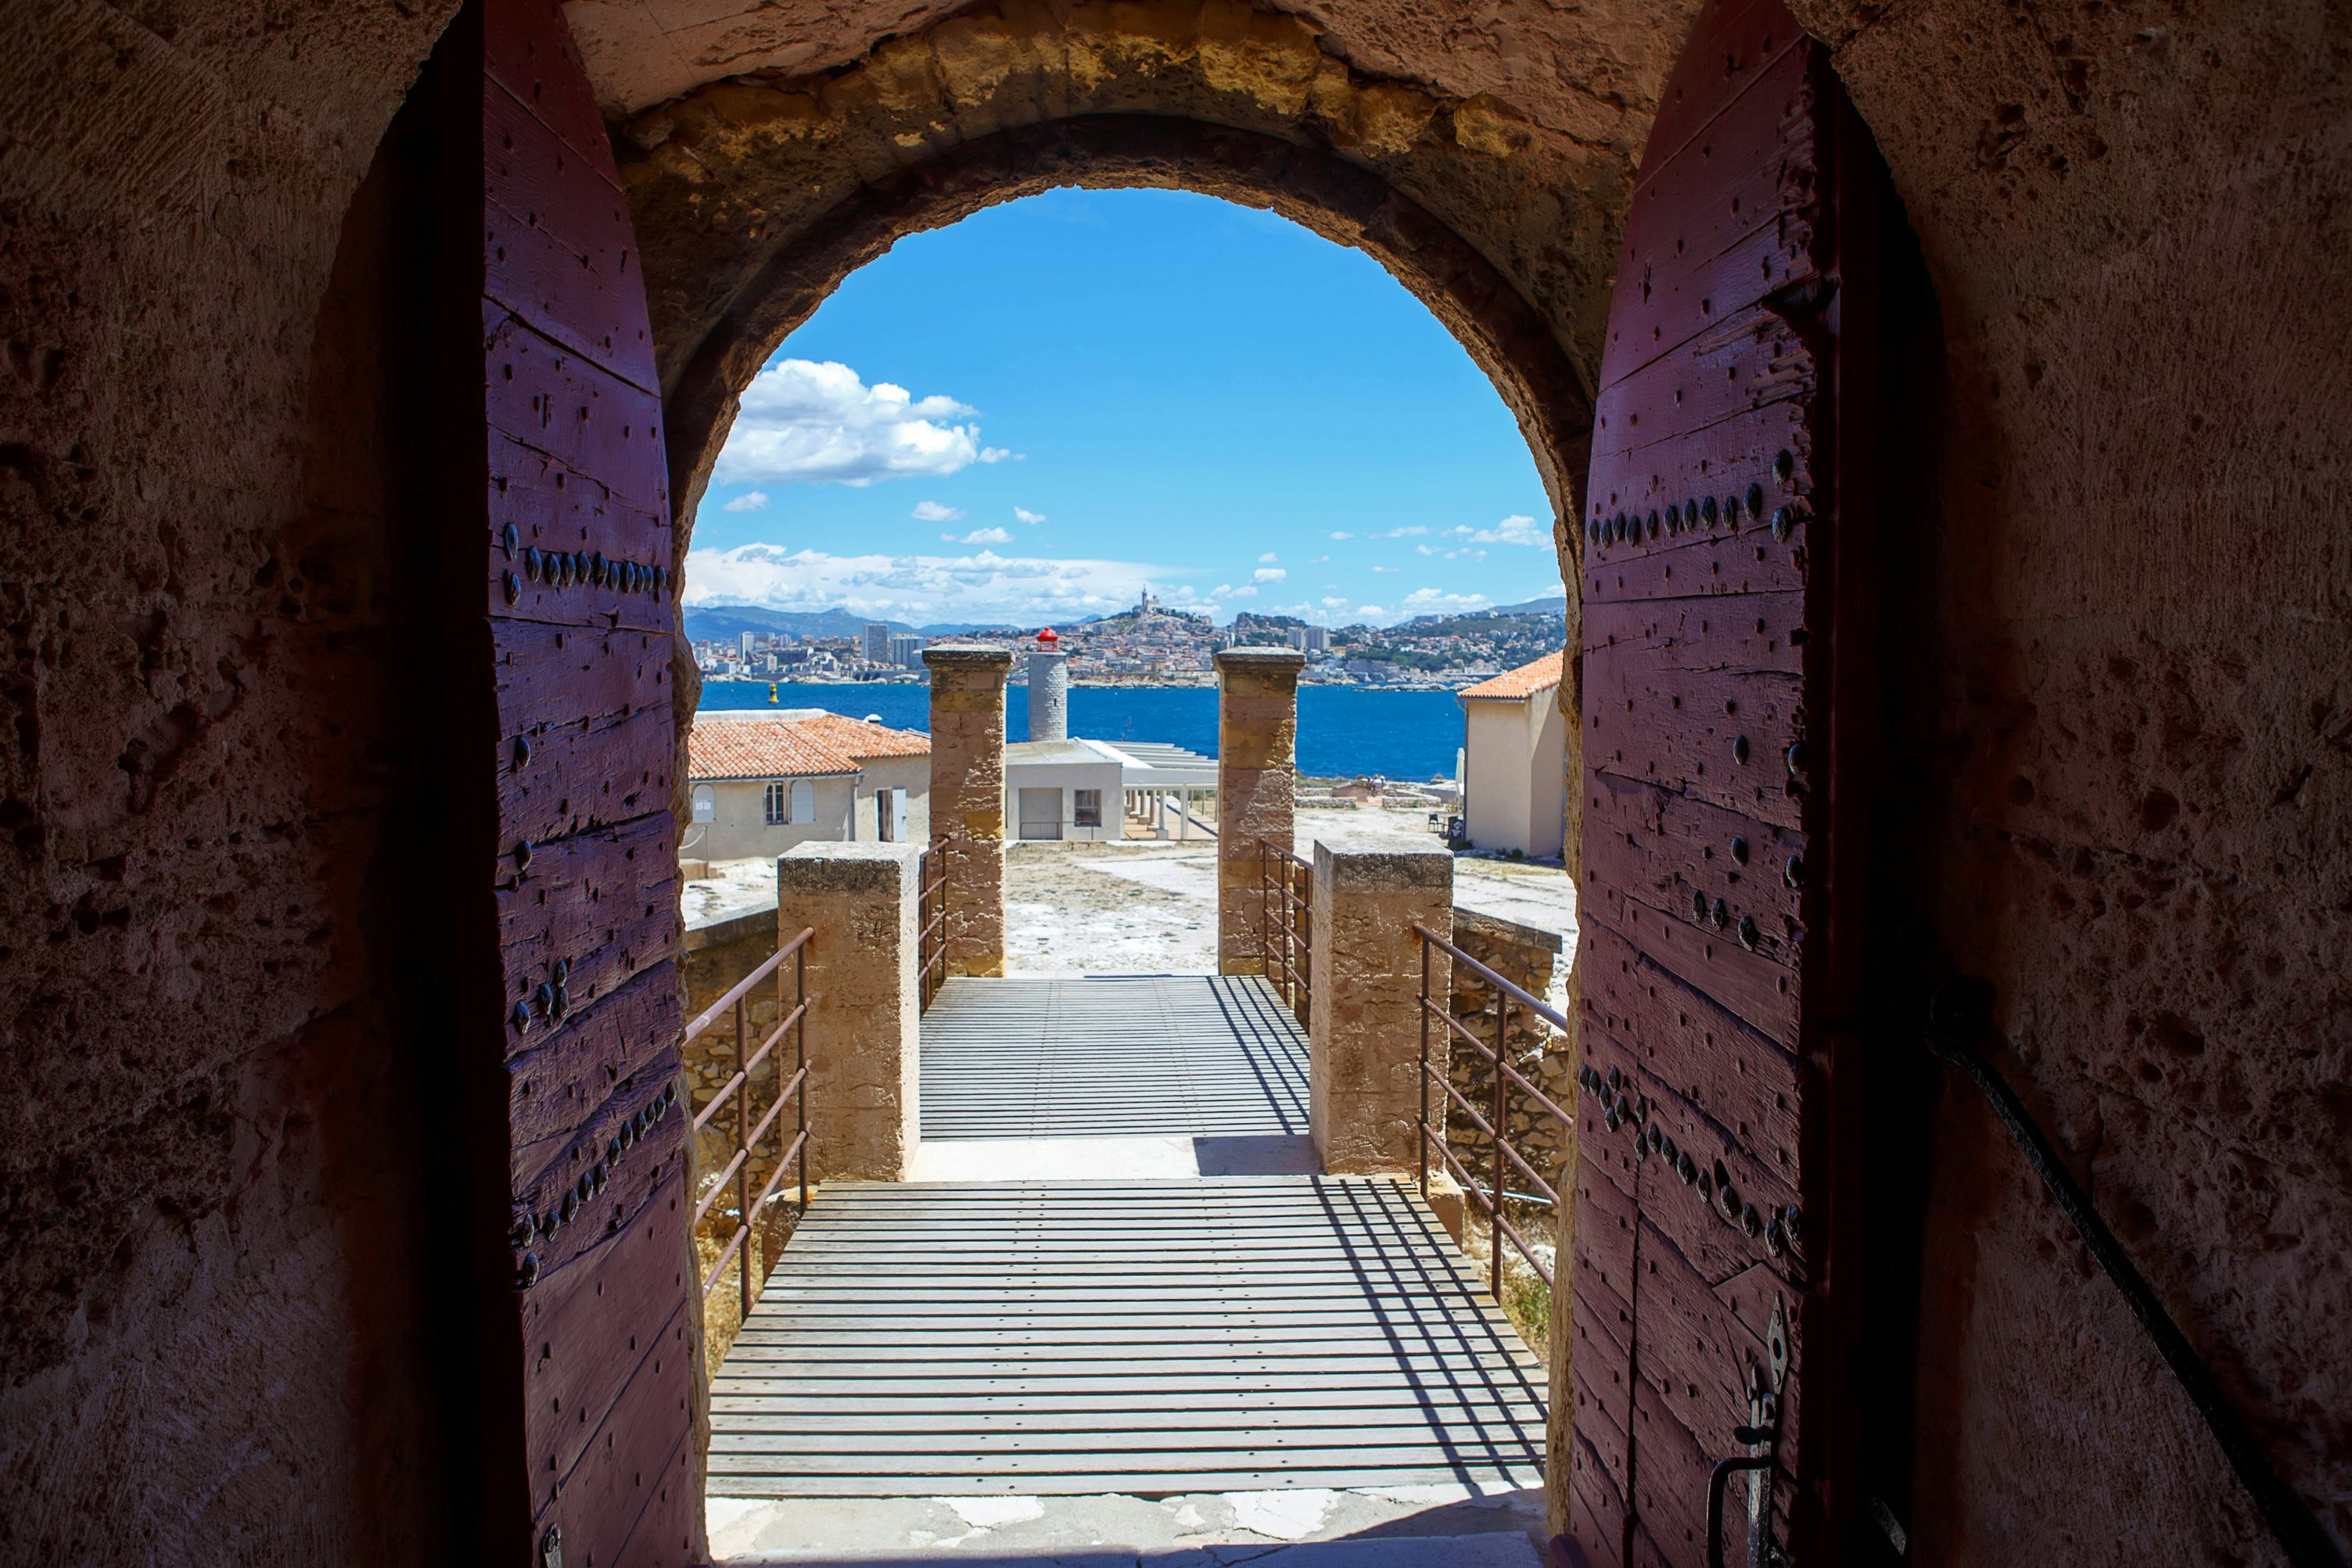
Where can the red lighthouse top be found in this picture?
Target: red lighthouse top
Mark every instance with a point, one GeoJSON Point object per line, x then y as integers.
{"type": "Point", "coordinates": [1048, 637]}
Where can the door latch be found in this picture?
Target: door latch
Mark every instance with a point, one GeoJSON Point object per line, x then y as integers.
{"type": "Point", "coordinates": [1761, 1437]}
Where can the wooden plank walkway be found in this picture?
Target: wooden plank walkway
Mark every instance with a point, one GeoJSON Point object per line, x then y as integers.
{"type": "Point", "coordinates": [1112, 1056]}
{"type": "Point", "coordinates": [1144, 1338]}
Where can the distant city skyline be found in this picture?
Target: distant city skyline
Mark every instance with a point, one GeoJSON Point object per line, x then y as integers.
{"type": "Point", "coordinates": [1033, 413]}
{"type": "Point", "coordinates": [1148, 643]}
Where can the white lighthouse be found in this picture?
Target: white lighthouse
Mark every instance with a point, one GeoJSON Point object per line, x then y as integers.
{"type": "Point", "coordinates": [1049, 688]}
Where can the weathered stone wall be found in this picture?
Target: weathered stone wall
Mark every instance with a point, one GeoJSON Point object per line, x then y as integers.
{"type": "Point", "coordinates": [713, 959]}
{"type": "Point", "coordinates": [1543, 1055]}
{"type": "Point", "coordinates": [1257, 790]}
{"type": "Point", "coordinates": [968, 799]}
{"type": "Point", "coordinates": [716, 958]}
{"type": "Point", "coordinates": [2123, 668]}
{"type": "Point", "coordinates": [215, 1235]}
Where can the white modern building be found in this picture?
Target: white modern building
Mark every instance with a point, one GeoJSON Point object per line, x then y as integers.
{"type": "Point", "coordinates": [877, 643]}
{"type": "Point", "coordinates": [1088, 790]}
{"type": "Point", "coordinates": [760, 782]}
{"type": "Point", "coordinates": [1514, 760]}
{"type": "Point", "coordinates": [1064, 790]}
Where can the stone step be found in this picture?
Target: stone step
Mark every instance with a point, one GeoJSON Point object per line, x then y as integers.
{"type": "Point", "coordinates": [1441, 1526]}
{"type": "Point", "coordinates": [1503, 1549]}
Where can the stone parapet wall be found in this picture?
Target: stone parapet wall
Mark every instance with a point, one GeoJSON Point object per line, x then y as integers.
{"type": "Point", "coordinates": [1527, 958]}
{"type": "Point", "coordinates": [1364, 1035]}
{"type": "Point", "coordinates": [864, 1019]}
{"type": "Point", "coordinates": [716, 957]}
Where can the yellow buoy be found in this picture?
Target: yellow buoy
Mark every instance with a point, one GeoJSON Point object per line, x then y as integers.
{"type": "Point", "coordinates": [772, 694]}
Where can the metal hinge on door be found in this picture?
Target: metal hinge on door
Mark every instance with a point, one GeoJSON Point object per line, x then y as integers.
{"type": "Point", "coordinates": [1761, 1437]}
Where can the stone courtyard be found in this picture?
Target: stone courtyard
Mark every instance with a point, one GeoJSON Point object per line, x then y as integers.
{"type": "Point", "coordinates": [1149, 907]}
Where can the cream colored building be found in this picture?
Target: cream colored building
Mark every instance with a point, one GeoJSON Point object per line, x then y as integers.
{"type": "Point", "coordinates": [1514, 760]}
{"type": "Point", "coordinates": [759, 783]}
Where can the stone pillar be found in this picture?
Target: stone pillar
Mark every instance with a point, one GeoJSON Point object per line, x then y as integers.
{"type": "Point", "coordinates": [1363, 1031]}
{"type": "Point", "coordinates": [863, 1108]}
{"type": "Point", "coordinates": [1258, 782]}
{"type": "Point", "coordinates": [968, 797]}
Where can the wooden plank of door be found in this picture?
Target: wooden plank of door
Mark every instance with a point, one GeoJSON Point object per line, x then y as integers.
{"type": "Point", "coordinates": [578, 777]}
{"type": "Point", "coordinates": [558, 247]}
{"type": "Point", "coordinates": [555, 400]}
{"type": "Point", "coordinates": [1667, 849]}
{"type": "Point", "coordinates": [555, 1079]}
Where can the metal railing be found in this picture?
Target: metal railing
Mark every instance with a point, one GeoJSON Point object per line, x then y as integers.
{"type": "Point", "coordinates": [747, 1136]}
{"type": "Point", "coordinates": [1493, 1194]}
{"type": "Point", "coordinates": [932, 922]}
{"type": "Point", "coordinates": [1285, 924]}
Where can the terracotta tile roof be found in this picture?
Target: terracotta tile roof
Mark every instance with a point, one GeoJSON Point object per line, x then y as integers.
{"type": "Point", "coordinates": [765, 746]}
{"type": "Point", "coordinates": [856, 737]}
{"type": "Point", "coordinates": [1522, 683]}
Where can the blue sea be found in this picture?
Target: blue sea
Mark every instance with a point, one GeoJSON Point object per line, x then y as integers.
{"type": "Point", "coordinates": [1343, 731]}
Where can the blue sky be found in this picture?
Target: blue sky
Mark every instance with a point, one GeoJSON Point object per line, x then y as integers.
{"type": "Point", "coordinates": [1031, 414]}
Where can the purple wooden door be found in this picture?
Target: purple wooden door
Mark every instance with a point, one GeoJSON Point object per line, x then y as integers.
{"type": "Point", "coordinates": [576, 604]}
{"type": "Point", "coordinates": [1716, 977]}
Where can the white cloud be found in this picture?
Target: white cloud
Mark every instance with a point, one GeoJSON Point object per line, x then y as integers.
{"type": "Point", "coordinates": [978, 585]}
{"type": "Point", "coordinates": [807, 422]}
{"type": "Point", "coordinates": [748, 501]}
{"type": "Point", "coordinates": [1384, 568]}
{"type": "Point", "coordinates": [1425, 549]}
{"type": "Point", "coordinates": [1341, 533]}
{"type": "Point", "coordinates": [1337, 610]}
{"type": "Point", "coordinates": [1431, 601]}
{"type": "Point", "coordinates": [1320, 559]}
{"type": "Point", "coordinates": [979, 536]}
{"type": "Point", "coordinates": [1413, 532]}
{"type": "Point", "coordinates": [1514, 529]}
{"type": "Point", "coordinates": [998, 455]}
{"type": "Point", "coordinates": [1227, 591]}
{"type": "Point", "coordinates": [1025, 515]}
{"type": "Point", "coordinates": [1268, 574]}
{"type": "Point", "coordinates": [933, 512]}
{"type": "Point", "coordinates": [1267, 558]}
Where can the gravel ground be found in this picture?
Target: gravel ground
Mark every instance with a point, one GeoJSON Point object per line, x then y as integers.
{"type": "Point", "coordinates": [1151, 908]}
{"type": "Point", "coordinates": [1148, 908]}
{"type": "Point", "coordinates": [1110, 909]}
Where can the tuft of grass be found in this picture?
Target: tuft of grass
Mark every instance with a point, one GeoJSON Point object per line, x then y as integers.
{"type": "Point", "coordinates": [1528, 1299]}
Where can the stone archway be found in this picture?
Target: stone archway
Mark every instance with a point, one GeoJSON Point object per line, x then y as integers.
{"type": "Point", "coordinates": [1503, 333]}
{"type": "Point", "coordinates": [755, 196]}
{"type": "Point", "coordinates": [753, 199]}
